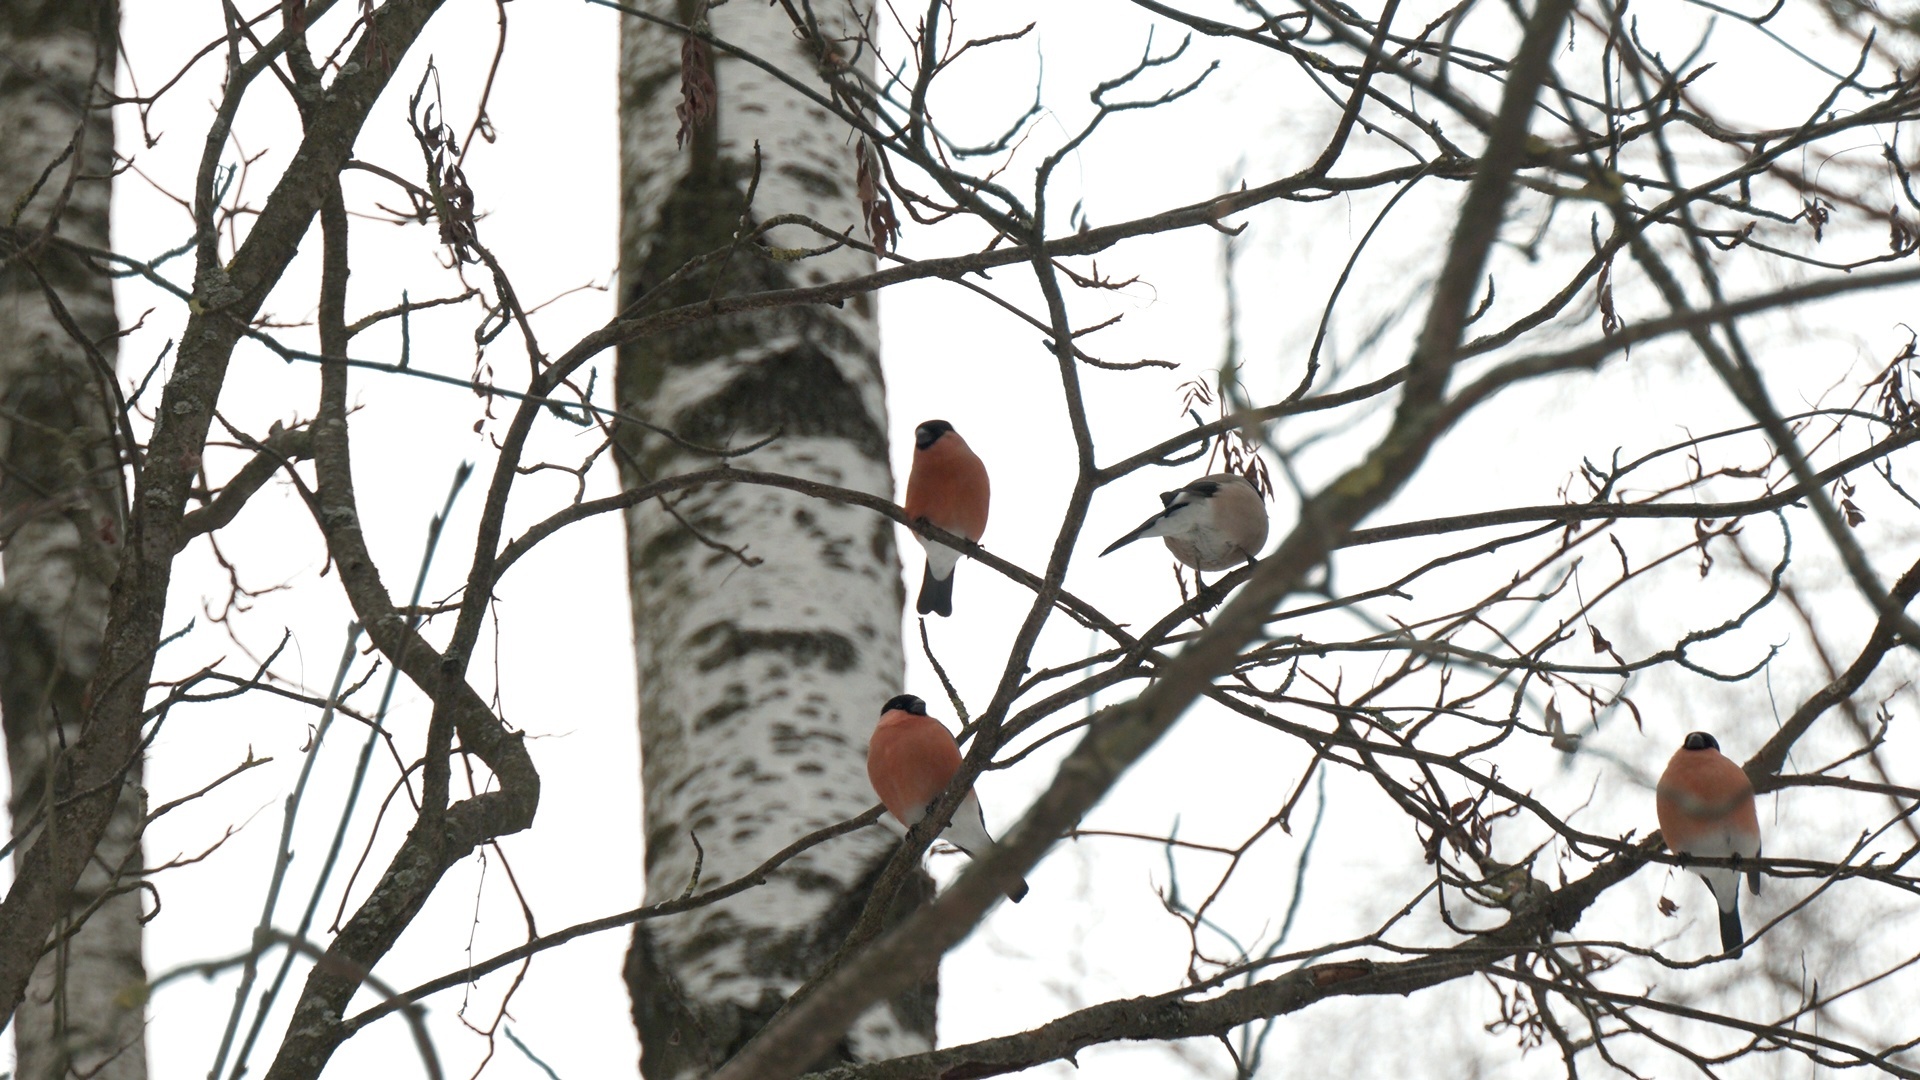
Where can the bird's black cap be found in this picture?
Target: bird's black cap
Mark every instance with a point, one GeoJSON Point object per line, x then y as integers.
{"type": "Point", "coordinates": [905, 703]}
{"type": "Point", "coordinates": [929, 433]}
{"type": "Point", "coordinates": [1700, 740]}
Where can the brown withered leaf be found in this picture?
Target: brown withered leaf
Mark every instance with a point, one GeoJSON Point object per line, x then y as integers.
{"type": "Point", "coordinates": [1900, 239]}
{"type": "Point", "coordinates": [449, 197]}
{"type": "Point", "coordinates": [883, 226]}
{"type": "Point", "coordinates": [1894, 405]}
{"type": "Point", "coordinates": [699, 94]}
{"type": "Point", "coordinates": [1255, 470]}
{"type": "Point", "coordinates": [1625, 569]}
{"type": "Point", "coordinates": [1561, 740]}
{"type": "Point", "coordinates": [1817, 214]}
{"type": "Point", "coordinates": [458, 228]}
{"type": "Point", "coordinates": [1668, 907]}
{"type": "Point", "coordinates": [1602, 645]}
{"type": "Point", "coordinates": [1610, 322]}
{"type": "Point", "coordinates": [1639, 724]}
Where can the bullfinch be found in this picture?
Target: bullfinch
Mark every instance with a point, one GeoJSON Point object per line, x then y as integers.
{"type": "Point", "coordinates": [947, 488]}
{"type": "Point", "coordinates": [1705, 803]}
{"type": "Point", "coordinates": [1214, 523]}
{"type": "Point", "coordinates": [910, 761]}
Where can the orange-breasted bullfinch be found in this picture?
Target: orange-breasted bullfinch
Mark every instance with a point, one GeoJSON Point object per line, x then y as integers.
{"type": "Point", "coordinates": [910, 761]}
{"type": "Point", "coordinates": [1214, 523]}
{"type": "Point", "coordinates": [948, 488]}
{"type": "Point", "coordinates": [1705, 803]}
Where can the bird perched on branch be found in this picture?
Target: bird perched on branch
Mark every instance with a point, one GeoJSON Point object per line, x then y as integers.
{"type": "Point", "coordinates": [947, 488]}
{"type": "Point", "coordinates": [910, 761]}
{"type": "Point", "coordinates": [1705, 803]}
{"type": "Point", "coordinates": [1214, 523]}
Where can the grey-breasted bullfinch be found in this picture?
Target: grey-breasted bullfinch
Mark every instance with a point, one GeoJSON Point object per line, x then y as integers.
{"type": "Point", "coordinates": [910, 760]}
{"type": "Point", "coordinates": [947, 488]}
{"type": "Point", "coordinates": [1214, 523]}
{"type": "Point", "coordinates": [1705, 803]}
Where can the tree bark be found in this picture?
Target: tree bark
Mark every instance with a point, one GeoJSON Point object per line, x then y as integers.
{"type": "Point", "coordinates": [762, 672]}
{"type": "Point", "coordinates": [62, 512]}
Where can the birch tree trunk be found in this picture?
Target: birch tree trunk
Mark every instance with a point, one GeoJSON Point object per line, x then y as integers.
{"type": "Point", "coordinates": [760, 677]}
{"type": "Point", "coordinates": [61, 508]}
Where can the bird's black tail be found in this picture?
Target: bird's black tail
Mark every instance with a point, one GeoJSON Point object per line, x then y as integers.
{"type": "Point", "coordinates": [936, 594]}
{"type": "Point", "coordinates": [1132, 536]}
{"type": "Point", "coordinates": [1731, 936]}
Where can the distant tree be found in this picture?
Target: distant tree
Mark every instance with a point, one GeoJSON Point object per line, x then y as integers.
{"type": "Point", "coordinates": [62, 516]}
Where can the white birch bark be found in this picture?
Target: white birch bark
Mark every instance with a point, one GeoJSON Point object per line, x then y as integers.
{"type": "Point", "coordinates": [759, 684]}
{"type": "Point", "coordinates": [61, 515]}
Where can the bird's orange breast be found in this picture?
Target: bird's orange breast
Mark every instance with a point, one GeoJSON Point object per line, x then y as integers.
{"type": "Point", "coordinates": [948, 486]}
{"type": "Point", "coordinates": [1700, 792]}
{"type": "Point", "coordinates": [909, 761]}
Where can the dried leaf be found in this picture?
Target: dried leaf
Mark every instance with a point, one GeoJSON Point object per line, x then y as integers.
{"type": "Point", "coordinates": [883, 226]}
{"type": "Point", "coordinates": [1817, 213]}
{"type": "Point", "coordinates": [1557, 736]}
{"type": "Point", "coordinates": [699, 94]}
{"type": "Point", "coordinates": [1610, 322]}
{"type": "Point", "coordinates": [1639, 724]}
